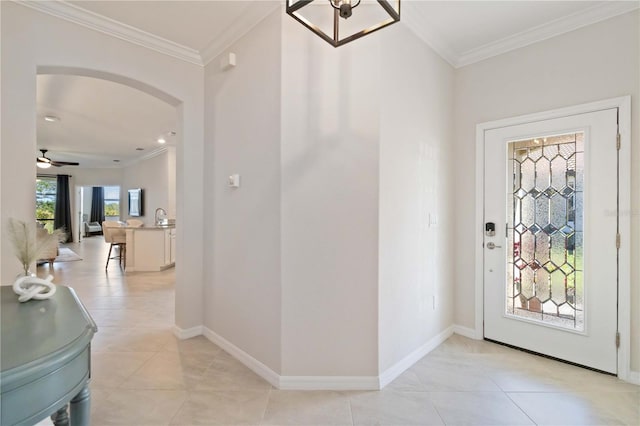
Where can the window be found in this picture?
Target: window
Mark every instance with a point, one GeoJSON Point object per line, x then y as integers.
{"type": "Point", "coordinates": [112, 202]}
{"type": "Point", "coordinates": [46, 201]}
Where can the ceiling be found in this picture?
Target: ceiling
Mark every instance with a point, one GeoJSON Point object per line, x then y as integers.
{"type": "Point", "coordinates": [114, 120]}
{"type": "Point", "coordinates": [100, 121]}
{"type": "Point", "coordinates": [194, 24]}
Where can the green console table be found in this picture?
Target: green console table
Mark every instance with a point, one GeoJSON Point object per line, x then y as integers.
{"type": "Point", "coordinates": [45, 359]}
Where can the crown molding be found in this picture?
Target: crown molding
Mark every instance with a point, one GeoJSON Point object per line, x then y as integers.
{"type": "Point", "coordinates": [147, 156]}
{"type": "Point", "coordinates": [72, 13]}
{"type": "Point", "coordinates": [133, 161]}
{"type": "Point", "coordinates": [413, 18]}
{"type": "Point", "coordinates": [253, 14]}
{"type": "Point", "coordinates": [546, 31]}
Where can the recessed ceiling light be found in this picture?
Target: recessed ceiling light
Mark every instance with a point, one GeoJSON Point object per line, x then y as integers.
{"type": "Point", "coordinates": [139, 149]}
{"type": "Point", "coordinates": [162, 140]}
{"type": "Point", "coordinates": [51, 118]}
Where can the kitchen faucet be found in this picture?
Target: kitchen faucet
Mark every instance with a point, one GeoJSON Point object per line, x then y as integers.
{"type": "Point", "coordinates": [160, 211]}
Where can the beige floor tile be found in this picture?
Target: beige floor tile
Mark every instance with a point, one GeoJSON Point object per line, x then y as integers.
{"type": "Point", "coordinates": [582, 380]}
{"type": "Point", "coordinates": [119, 339]}
{"type": "Point", "coordinates": [393, 408]}
{"type": "Point", "coordinates": [307, 408]}
{"type": "Point", "coordinates": [135, 347]}
{"type": "Point", "coordinates": [195, 344]}
{"type": "Point", "coordinates": [457, 344]}
{"type": "Point", "coordinates": [624, 406]}
{"type": "Point", "coordinates": [517, 381]}
{"type": "Point", "coordinates": [453, 379]}
{"type": "Point", "coordinates": [137, 407]}
{"type": "Point", "coordinates": [170, 370]}
{"type": "Point", "coordinates": [111, 302]}
{"type": "Point", "coordinates": [111, 369]}
{"type": "Point", "coordinates": [87, 292]}
{"type": "Point", "coordinates": [227, 373]}
{"type": "Point", "coordinates": [106, 337]}
{"type": "Point", "coordinates": [498, 362]}
{"type": "Point", "coordinates": [222, 408]}
{"type": "Point", "coordinates": [601, 408]}
{"type": "Point", "coordinates": [407, 382]}
{"type": "Point", "coordinates": [478, 408]}
{"type": "Point", "coordinates": [124, 317]}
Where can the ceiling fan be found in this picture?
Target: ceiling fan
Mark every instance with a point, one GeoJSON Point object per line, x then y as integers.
{"type": "Point", "coordinates": [45, 162]}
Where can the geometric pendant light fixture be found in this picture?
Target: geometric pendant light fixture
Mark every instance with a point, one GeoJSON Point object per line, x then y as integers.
{"type": "Point", "coordinates": [340, 21]}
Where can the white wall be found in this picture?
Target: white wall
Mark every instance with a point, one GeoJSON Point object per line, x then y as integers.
{"type": "Point", "coordinates": [242, 232]}
{"type": "Point", "coordinates": [597, 62]}
{"type": "Point", "coordinates": [329, 155]}
{"type": "Point", "coordinates": [95, 177]}
{"type": "Point", "coordinates": [152, 175]}
{"type": "Point", "coordinates": [296, 248]}
{"type": "Point", "coordinates": [31, 40]}
{"type": "Point", "coordinates": [171, 181]}
{"type": "Point", "coordinates": [416, 181]}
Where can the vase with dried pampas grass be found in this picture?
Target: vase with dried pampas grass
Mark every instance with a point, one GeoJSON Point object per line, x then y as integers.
{"type": "Point", "coordinates": [27, 247]}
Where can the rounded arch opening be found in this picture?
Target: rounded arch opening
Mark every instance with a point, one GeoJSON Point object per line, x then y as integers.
{"type": "Point", "coordinates": [116, 78]}
{"type": "Point", "coordinates": [162, 96]}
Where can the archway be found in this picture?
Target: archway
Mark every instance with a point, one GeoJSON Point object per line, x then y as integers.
{"type": "Point", "coordinates": [161, 96]}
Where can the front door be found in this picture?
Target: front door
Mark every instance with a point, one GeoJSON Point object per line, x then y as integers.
{"type": "Point", "coordinates": [551, 221]}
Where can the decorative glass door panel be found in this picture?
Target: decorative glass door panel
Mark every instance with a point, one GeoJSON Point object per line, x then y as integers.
{"type": "Point", "coordinates": [544, 230]}
{"type": "Point", "coordinates": [550, 264]}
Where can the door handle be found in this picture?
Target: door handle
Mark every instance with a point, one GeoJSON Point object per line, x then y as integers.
{"type": "Point", "coordinates": [492, 246]}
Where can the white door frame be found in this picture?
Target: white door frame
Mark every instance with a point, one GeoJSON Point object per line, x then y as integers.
{"type": "Point", "coordinates": [624, 286]}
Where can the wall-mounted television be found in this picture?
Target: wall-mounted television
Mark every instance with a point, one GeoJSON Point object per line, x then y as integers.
{"type": "Point", "coordinates": [136, 202]}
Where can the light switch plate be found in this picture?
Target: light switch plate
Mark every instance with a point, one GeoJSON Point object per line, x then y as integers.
{"type": "Point", "coordinates": [234, 181]}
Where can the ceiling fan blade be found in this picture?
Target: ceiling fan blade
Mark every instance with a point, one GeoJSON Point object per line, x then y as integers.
{"type": "Point", "coordinates": [64, 163]}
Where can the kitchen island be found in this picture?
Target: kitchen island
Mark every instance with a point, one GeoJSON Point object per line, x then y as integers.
{"type": "Point", "coordinates": [151, 248]}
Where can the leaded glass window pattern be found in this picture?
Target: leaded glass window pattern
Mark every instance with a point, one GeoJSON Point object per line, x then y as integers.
{"type": "Point", "coordinates": [545, 230]}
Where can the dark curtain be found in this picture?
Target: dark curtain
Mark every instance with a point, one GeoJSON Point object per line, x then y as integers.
{"type": "Point", "coordinates": [62, 216]}
{"type": "Point", "coordinates": [97, 205]}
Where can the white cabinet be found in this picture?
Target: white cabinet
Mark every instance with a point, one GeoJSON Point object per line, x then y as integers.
{"type": "Point", "coordinates": [167, 247]}
{"type": "Point", "coordinates": [172, 246]}
{"type": "Point", "coordinates": [150, 248]}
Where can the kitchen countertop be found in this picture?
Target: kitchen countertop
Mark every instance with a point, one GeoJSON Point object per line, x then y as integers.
{"type": "Point", "coordinates": [149, 227]}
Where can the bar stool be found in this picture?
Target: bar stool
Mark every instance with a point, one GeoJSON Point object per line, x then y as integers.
{"type": "Point", "coordinates": [115, 235]}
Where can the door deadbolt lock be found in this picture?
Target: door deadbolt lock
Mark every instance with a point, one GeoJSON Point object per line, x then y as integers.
{"type": "Point", "coordinates": [491, 246]}
{"type": "Point", "coordinates": [490, 229]}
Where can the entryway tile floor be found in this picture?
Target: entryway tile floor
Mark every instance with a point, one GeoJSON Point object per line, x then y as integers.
{"type": "Point", "coordinates": [143, 375]}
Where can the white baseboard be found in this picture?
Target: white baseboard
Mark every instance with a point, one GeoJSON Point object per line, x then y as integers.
{"type": "Point", "coordinates": [250, 362]}
{"type": "Point", "coordinates": [390, 374]}
{"type": "Point", "coordinates": [187, 333]}
{"type": "Point", "coordinates": [466, 332]}
{"type": "Point", "coordinates": [633, 377]}
{"type": "Point", "coordinates": [329, 383]}
{"type": "Point", "coordinates": [339, 382]}
{"type": "Point", "coordinates": [292, 382]}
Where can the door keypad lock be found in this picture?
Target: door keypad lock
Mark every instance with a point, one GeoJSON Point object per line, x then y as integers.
{"type": "Point", "coordinates": [490, 229]}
